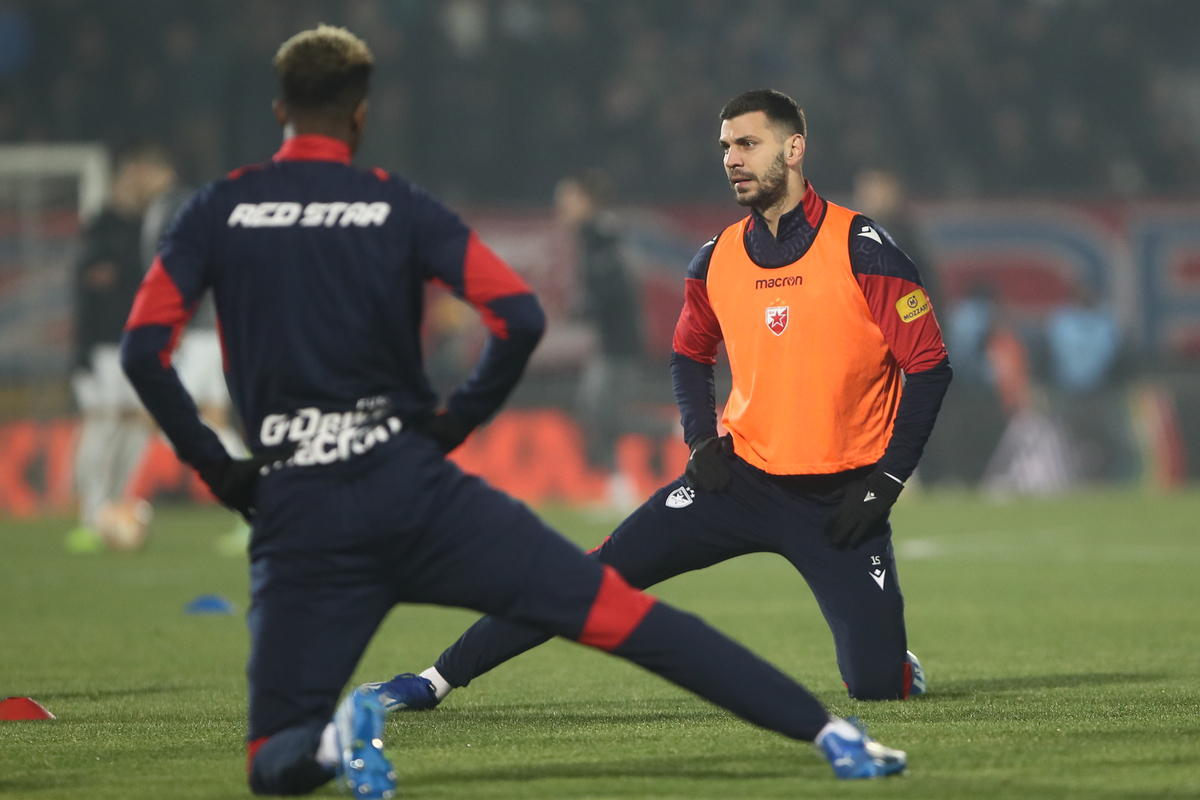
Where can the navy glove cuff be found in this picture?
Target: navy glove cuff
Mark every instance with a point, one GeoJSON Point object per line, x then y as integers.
{"type": "Point", "coordinates": [863, 510]}
{"type": "Point", "coordinates": [446, 429]}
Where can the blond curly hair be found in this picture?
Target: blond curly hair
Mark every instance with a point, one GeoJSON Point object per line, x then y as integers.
{"type": "Point", "coordinates": [326, 68]}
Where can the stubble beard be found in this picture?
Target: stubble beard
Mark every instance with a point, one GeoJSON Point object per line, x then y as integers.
{"type": "Point", "coordinates": [772, 186]}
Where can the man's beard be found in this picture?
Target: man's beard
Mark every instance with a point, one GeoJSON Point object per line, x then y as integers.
{"type": "Point", "coordinates": [772, 186]}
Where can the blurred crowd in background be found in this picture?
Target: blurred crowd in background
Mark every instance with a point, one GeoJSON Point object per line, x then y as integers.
{"type": "Point", "coordinates": [1039, 160]}
{"type": "Point", "coordinates": [494, 100]}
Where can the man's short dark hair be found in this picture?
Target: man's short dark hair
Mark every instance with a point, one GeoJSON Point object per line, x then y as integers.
{"type": "Point", "coordinates": [325, 69]}
{"type": "Point", "coordinates": [144, 151]}
{"type": "Point", "coordinates": [781, 110]}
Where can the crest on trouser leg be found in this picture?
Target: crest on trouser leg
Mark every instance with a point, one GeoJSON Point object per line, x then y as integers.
{"type": "Point", "coordinates": [681, 497]}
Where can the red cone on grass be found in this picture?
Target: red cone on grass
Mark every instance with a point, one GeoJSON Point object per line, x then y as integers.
{"type": "Point", "coordinates": [16, 708]}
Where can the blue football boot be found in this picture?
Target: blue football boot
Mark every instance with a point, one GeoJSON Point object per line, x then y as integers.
{"type": "Point", "coordinates": [405, 692]}
{"type": "Point", "coordinates": [362, 766]}
{"type": "Point", "coordinates": [917, 685]}
{"type": "Point", "coordinates": [854, 755]}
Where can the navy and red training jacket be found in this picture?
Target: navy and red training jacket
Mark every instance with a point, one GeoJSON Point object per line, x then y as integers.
{"type": "Point", "coordinates": [318, 269]}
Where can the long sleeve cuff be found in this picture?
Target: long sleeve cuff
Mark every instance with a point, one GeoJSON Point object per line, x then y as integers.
{"type": "Point", "coordinates": [164, 396]}
{"type": "Point", "coordinates": [695, 394]}
{"type": "Point", "coordinates": [919, 407]}
{"type": "Point", "coordinates": [503, 359]}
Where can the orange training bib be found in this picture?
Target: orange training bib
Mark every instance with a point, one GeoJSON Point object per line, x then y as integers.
{"type": "Point", "coordinates": [815, 387]}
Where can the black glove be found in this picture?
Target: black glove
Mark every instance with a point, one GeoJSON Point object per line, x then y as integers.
{"type": "Point", "coordinates": [707, 470]}
{"type": "Point", "coordinates": [864, 506]}
{"type": "Point", "coordinates": [445, 429]}
{"type": "Point", "coordinates": [232, 481]}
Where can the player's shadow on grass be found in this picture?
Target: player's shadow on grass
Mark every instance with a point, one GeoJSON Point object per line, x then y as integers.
{"type": "Point", "coordinates": [738, 767]}
{"type": "Point", "coordinates": [565, 716]}
{"type": "Point", "coordinates": [22, 787]}
{"type": "Point", "coordinates": [966, 688]}
{"type": "Point", "coordinates": [101, 694]}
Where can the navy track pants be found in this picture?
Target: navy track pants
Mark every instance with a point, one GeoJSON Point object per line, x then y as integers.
{"type": "Point", "coordinates": [335, 548]}
{"type": "Point", "coordinates": [678, 530]}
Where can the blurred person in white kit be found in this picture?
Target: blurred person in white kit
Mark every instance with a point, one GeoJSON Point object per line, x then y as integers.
{"type": "Point", "coordinates": [114, 427]}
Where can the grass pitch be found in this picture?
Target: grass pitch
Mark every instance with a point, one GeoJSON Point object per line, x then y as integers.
{"type": "Point", "coordinates": [1061, 639]}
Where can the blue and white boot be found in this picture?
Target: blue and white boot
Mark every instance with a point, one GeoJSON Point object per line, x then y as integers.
{"type": "Point", "coordinates": [854, 755]}
{"type": "Point", "coordinates": [362, 767]}
{"type": "Point", "coordinates": [917, 685]}
{"type": "Point", "coordinates": [405, 692]}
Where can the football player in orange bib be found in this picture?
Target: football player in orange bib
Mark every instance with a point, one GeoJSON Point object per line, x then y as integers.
{"type": "Point", "coordinates": [839, 371]}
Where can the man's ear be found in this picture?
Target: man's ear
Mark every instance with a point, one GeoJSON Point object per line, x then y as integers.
{"type": "Point", "coordinates": [281, 115]}
{"type": "Point", "coordinates": [795, 150]}
{"type": "Point", "coordinates": [360, 116]}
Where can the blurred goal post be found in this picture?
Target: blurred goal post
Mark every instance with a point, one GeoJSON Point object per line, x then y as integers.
{"type": "Point", "coordinates": [48, 193]}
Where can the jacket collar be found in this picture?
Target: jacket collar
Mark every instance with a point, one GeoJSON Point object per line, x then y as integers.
{"type": "Point", "coordinates": [796, 232]}
{"type": "Point", "coordinates": [807, 214]}
{"type": "Point", "coordinates": [313, 147]}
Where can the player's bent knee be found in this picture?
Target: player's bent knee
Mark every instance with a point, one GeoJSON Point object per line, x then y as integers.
{"type": "Point", "coordinates": [616, 612]}
{"type": "Point", "coordinates": [284, 764]}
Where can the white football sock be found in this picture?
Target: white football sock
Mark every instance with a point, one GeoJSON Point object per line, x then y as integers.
{"type": "Point", "coordinates": [840, 727]}
{"type": "Point", "coordinates": [328, 754]}
{"type": "Point", "coordinates": [440, 687]}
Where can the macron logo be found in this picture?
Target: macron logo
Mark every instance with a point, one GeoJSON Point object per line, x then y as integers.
{"type": "Point", "coordinates": [879, 576]}
{"type": "Point", "coordinates": [313, 215]}
{"type": "Point", "coordinates": [870, 233]}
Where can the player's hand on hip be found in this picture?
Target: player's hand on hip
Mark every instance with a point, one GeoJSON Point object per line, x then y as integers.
{"type": "Point", "coordinates": [445, 429]}
{"type": "Point", "coordinates": [864, 506]}
{"type": "Point", "coordinates": [708, 468]}
{"type": "Point", "coordinates": [233, 480]}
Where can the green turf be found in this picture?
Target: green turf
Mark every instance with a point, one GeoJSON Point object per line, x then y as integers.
{"type": "Point", "coordinates": [1061, 638]}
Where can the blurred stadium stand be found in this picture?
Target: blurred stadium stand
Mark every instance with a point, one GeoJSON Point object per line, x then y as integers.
{"type": "Point", "coordinates": [1053, 147]}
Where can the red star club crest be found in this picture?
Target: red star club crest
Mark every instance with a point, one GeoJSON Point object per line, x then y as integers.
{"type": "Point", "coordinates": [777, 319]}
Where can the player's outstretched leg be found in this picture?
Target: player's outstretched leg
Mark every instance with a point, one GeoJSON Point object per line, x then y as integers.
{"type": "Point", "coordinates": [659, 540]}
{"type": "Point", "coordinates": [686, 651]}
{"type": "Point", "coordinates": [476, 547]}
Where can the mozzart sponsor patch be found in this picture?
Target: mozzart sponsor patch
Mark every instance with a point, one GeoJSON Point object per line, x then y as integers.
{"type": "Point", "coordinates": [313, 215]}
{"type": "Point", "coordinates": [912, 305]}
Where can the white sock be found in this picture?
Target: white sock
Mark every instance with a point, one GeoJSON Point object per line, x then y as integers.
{"type": "Point", "coordinates": [840, 727]}
{"type": "Point", "coordinates": [440, 687]}
{"type": "Point", "coordinates": [328, 754]}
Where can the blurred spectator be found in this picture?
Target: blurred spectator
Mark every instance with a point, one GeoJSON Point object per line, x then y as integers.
{"type": "Point", "coordinates": [1084, 338]}
{"type": "Point", "coordinates": [1012, 97]}
{"type": "Point", "coordinates": [1008, 362]}
{"type": "Point", "coordinates": [114, 428]}
{"type": "Point", "coordinates": [610, 302]}
{"type": "Point", "coordinates": [879, 194]}
{"type": "Point", "coordinates": [967, 332]}
{"type": "Point", "coordinates": [972, 419]}
{"type": "Point", "coordinates": [1034, 456]}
